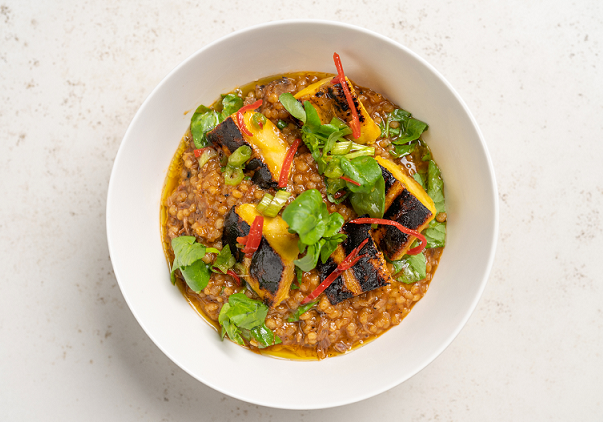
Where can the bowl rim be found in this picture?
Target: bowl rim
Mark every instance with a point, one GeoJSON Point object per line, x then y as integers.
{"type": "Point", "coordinates": [493, 186]}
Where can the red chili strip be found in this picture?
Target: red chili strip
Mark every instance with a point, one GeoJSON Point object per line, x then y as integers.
{"type": "Point", "coordinates": [286, 169]}
{"type": "Point", "coordinates": [230, 273]}
{"type": "Point", "coordinates": [414, 251]}
{"type": "Point", "coordinates": [346, 264]}
{"type": "Point", "coordinates": [198, 152]}
{"type": "Point", "coordinates": [255, 236]}
{"type": "Point", "coordinates": [235, 276]}
{"type": "Point", "coordinates": [241, 121]}
{"type": "Point", "coordinates": [348, 95]}
{"type": "Point", "coordinates": [242, 240]}
{"type": "Point", "coordinates": [347, 179]}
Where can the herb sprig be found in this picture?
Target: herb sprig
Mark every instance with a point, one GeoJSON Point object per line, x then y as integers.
{"type": "Point", "coordinates": [318, 230]}
{"type": "Point", "coordinates": [245, 318]}
{"type": "Point", "coordinates": [337, 156]}
{"type": "Point", "coordinates": [204, 119]}
{"type": "Point", "coordinates": [188, 258]}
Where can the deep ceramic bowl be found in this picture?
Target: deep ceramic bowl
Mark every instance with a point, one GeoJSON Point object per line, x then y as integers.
{"type": "Point", "coordinates": [151, 140]}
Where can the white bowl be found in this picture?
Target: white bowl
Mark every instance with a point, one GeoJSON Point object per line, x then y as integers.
{"type": "Point", "coordinates": [140, 169]}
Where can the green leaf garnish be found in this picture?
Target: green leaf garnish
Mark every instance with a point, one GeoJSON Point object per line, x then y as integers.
{"type": "Point", "coordinates": [231, 103]}
{"type": "Point", "coordinates": [312, 119]}
{"type": "Point", "coordinates": [435, 187]}
{"type": "Point", "coordinates": [435, 234]}
{"type": "Point", "coordinates": [302, 310]}
{"type": "Point", "coordinates": [420, 180]}
{"type": "Point", "coordinates": [364, 170]}
{"type": "Point", "coordinates": [224, 261]}
{"type": "Point", "coordinates": [403, 150]}
{"type": "Point", "coordinates": [409, 128]}
{"type": "Point", "coordinates": [188, 255]}
{"type": "Point", "coordinates": [307, 216]}
{"type": "Point", "coordinates": [411, 268]}
{"type": "Point", "coordinates": [203, 121]}
{"type": "Point", "coordinates": [371, 203]}
{"type": "Point", "coordinates": [309, 261]}
{"type": "Point", "coordinates": [294, 107]}
{"type": "Point", "coordinates": [242, 316]}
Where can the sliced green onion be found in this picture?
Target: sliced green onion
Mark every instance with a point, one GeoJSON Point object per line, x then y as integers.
{"type": "Point", "coordinates": [240, 269]}
{"type": "Point", "coordinates": [277, 203]}
{"type": "Point", "coordinates": [281, 124]}
{"type": "Point", "coordinates": [266, 200]}
{"type": "Point", "coordinates": [205, 156]}
{"type": "Point", "coordinates": [368, 151]}
{"type": "Point", "coordinates": [240, 156]}
{"type": "Point", "coordinates": [341, 148]}
{"type": "Point", "coordinates": [258, 120]}
{"type": "Point", "coordinates": [233, 175]}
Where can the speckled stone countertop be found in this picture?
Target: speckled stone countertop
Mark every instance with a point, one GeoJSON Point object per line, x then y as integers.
{"type": "Point", "coordinates": [73, 74]}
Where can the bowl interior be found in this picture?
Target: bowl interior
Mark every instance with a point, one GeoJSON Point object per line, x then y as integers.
{"type": "Point", "coordinates": [151, 140]}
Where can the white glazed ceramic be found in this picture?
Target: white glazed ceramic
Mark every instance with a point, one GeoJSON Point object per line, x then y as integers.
{"type": "Point", "coordinates": [140, 169]}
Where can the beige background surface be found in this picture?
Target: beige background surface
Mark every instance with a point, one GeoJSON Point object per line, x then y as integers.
{"type": "Point", "coordinates": [72, 75]}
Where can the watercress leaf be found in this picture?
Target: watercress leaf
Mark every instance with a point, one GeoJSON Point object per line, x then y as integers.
{"type": "Point", "coordinates": [371, 203]}
{"type": "Point", "coordinates": [187, 250]}
{"type": "Point", "coordinates": [435, 187]}
{"type": "Point", "coordinates": [299, 276]}
{"type": "Point", "coordinates": [202, 121]}
{"type": "Point", "coordinates": [242, 317]}
{"type": "Point", "coordinates": [413, 268]}
{"type": "Point", "coordinates": [223, 318]}
{"type": "Point", "coordinates": [420, 180]}
{"type": "Point", "coordinates": [330, 245]}
{"type": "Point", "coordinates": [334, 224]}
{"type": "Point", "coordinates": [336, 126]}
{"type": "Point", "coordinates": [364, 170]}
{"type": "Point", "coordinates": [435, 234]}
{"type": "Point", "coordinates": [231, 103]}
{"type": "Point", "coordinates": [402, 150]}
{"type": "Point", "coordinates": [196, 275]}
{"type": "Point", "coordinates": [310, 139]}
{"type": "Point", "coordinates": [233, 332]}
{"type": "Point", "coordinates": [399, 115]}
{"type": "Point", "coordinates": [339, 200]}
{"type": "Point", "coordinates": [302, 310]}
{"type": "Point", "coordinates": [335, 185]}
{"type": "Point", "coordinates": [224, 261]}
{"type": "Point", "coordinates": [294, 107]}
{"type": "Point", "coordinates": [412, 130]}
{"type": "Point", "coordinates": [312, 118]}
{"type": "Point", "coordinates": [264, 336]}
{"type": "Point", "coordinates": [307, 216]}
{"type": "Point", "coordinates": [309, 261]}
{"type": "Point", "coordinates": [245, 312]}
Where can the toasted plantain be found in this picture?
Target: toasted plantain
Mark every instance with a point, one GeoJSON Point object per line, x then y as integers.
{"type": "Point", "coordinates": [330, 101]}
{"type": "Point", "coordinates": [270, 270]}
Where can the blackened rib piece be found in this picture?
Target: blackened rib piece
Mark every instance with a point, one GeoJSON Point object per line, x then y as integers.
{"type": "Point", "coordinates": [367, 274]}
